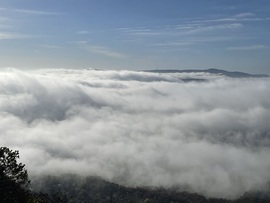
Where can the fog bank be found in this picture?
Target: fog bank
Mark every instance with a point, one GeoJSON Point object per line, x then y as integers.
{"type": "Point", "coordinates": [140, 129]}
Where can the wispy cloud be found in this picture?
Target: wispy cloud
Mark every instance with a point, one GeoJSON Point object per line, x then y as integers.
{"type": "Point", "coordinates": [182, 35]}
{"type": "Point", "coordinates": [214, 27]}
{"type": "Point", "coordinates": [244, 15]}
{"type": "Point", "coordinates": [49, 46]}
{"type": "Point", "coordinates": [188, 26]}
{"type": "Point", "coordinates": [100, 50]}
{"type": "Point", "coordinates": [4, 19]}
{"type": "Point", "coordinates": [189, 32]}
{"type": "Point", "coordinates": [28, 11]}
{"type": "Point", "coordinates": [35, 12]}
{"type": "Point", "coordinates": [12, 17]}
{"type": "Point", "coordinates": [5, 22]}
{"type": "Point", "coordinates": [240, 17]}
{"type": "Point", "coordinates": [142, 31]}
{"type": "Point", "coordinates": [9, 35]}
{"type": "Point", "coordinates": [83, 32]}
{"type": "Point", "coordinates": [180, 29]}
{"type": "Point", "coordinates": [177, 43]}
{"type": "Point", "coordinates": [247, 48]}
{"type": "Point", "coordinates": [193, 40]}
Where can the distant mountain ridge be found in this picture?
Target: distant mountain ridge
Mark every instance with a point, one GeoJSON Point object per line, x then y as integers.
{"type": "Point", "coordinates": [232, 74]}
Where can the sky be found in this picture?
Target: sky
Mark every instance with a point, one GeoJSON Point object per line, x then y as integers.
{"type": "Point", "coordinates": [136, 35]}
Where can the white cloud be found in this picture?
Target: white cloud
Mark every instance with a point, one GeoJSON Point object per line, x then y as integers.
{"type": "Point", "coordinates": [241, 17]}
{"type": "Point", "coordinates": [143, 31]}
{"type": "Point", "coordinates": [29, 11]}
{"type": "Point", "coordinates": [174, 44]}
{"type": "Point", "coordinates": [10, 35]}
{"type": "Point", "coordinates": [6, 22]}
{"type": "Point", "coordinates": [49, 46]}
{"type": "Point", "coordinates": [140, 128]}
{"type": "Point", "coordinates": [83, 32]}
{"type": "Point", "coordinates": [100, 50]}
{"type": "Point", "coordinates": [182, 34]}
{"type": "Point", "coordinates": [4, 19]}
{"type": "Point", "coordinates": [207, 28]}
{"type": "Point", "coordinates": [244, 15]}
{"type": "Point", "coordinates": [33, 12]}
{"type": "Point", "coordinates": [248, 48]}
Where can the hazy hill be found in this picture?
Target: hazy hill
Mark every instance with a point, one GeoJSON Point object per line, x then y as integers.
{"type": "Point", "coordinates": [74, 188]}
{"type": "Point", "coordinates": [232, 74]}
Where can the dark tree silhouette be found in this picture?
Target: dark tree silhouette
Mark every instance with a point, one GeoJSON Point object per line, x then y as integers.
{"type": "Point", "coordinates": [10, 169]}
{"type": "Point", "coordinates": [13, 177]}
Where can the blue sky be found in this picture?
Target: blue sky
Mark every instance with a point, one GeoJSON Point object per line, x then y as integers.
{"type": "Point", "coordinates": [136, 35]}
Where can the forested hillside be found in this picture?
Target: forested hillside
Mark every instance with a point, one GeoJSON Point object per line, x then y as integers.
{"type": "Point", "coordinates": [77, 189]}
{"type": "Point", "coordinates": [15, 187]}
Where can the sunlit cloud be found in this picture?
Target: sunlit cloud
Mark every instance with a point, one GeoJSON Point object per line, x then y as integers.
{"type": "Point", "coordinates": [139, 128]}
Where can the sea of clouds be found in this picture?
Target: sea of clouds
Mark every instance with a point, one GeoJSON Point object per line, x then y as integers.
{"type": "Point", "coordinates": [139, 128]}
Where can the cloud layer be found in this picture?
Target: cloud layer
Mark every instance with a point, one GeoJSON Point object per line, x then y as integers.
{"type": "Point", "coordinates": [140, 129]}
